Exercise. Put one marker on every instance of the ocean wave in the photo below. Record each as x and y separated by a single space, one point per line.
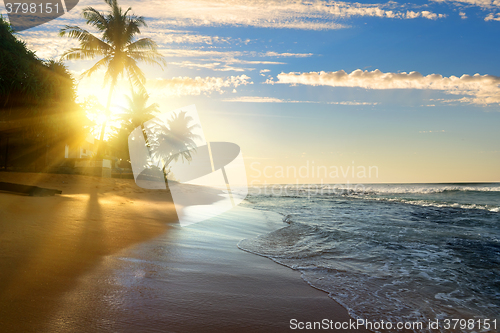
430 203
440 199
383 259
430 189
353 189
392 292
375 297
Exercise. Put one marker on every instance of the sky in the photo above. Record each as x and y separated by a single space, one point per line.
407 90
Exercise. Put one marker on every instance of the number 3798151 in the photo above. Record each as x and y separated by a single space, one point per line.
31 7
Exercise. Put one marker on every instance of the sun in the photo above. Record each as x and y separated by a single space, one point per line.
100 119
93 86
98 114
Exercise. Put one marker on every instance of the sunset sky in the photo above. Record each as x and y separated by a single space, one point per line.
411 88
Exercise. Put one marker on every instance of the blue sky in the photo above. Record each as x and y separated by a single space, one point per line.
411 88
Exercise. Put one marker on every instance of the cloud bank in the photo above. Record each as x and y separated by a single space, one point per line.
261 99
478 89
223 60
486 5
287 14
182 86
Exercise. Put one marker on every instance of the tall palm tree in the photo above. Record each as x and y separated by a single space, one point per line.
117 45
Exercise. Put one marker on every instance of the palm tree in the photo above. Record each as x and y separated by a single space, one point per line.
118 47
135 115
175 141
138 112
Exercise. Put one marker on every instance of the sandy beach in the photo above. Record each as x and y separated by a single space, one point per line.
107 256
46 243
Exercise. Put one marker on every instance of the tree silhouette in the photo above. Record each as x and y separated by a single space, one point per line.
38 112
118 47
137 111
136 114
174 141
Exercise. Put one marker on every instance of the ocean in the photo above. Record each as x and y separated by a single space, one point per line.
392 252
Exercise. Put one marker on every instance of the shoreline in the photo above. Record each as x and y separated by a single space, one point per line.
195 278
166 279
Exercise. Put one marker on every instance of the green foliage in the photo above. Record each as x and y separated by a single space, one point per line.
37 97
21 80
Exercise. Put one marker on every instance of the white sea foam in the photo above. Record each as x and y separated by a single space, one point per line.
429 203
412 256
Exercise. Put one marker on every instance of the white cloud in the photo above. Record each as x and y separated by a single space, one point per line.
260 99
168 36
478 3
262 71
229 56
47 44
167 22
424 132
290 14
215 66
411 14
425 14
255 99
352 103
191 65
492 17
181 86
483 4
216 60
169 52
478 89
432 16
296 55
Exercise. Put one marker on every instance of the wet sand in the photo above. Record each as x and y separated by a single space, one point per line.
47 243
108 259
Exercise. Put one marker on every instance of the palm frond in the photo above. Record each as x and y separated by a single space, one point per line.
152 109
110 2
78 54
126 12
115 68
87 40
143 44
135 74
98 65
149 57
95 18
133 28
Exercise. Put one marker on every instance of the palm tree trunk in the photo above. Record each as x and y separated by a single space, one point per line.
165 174
166 164
100 148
